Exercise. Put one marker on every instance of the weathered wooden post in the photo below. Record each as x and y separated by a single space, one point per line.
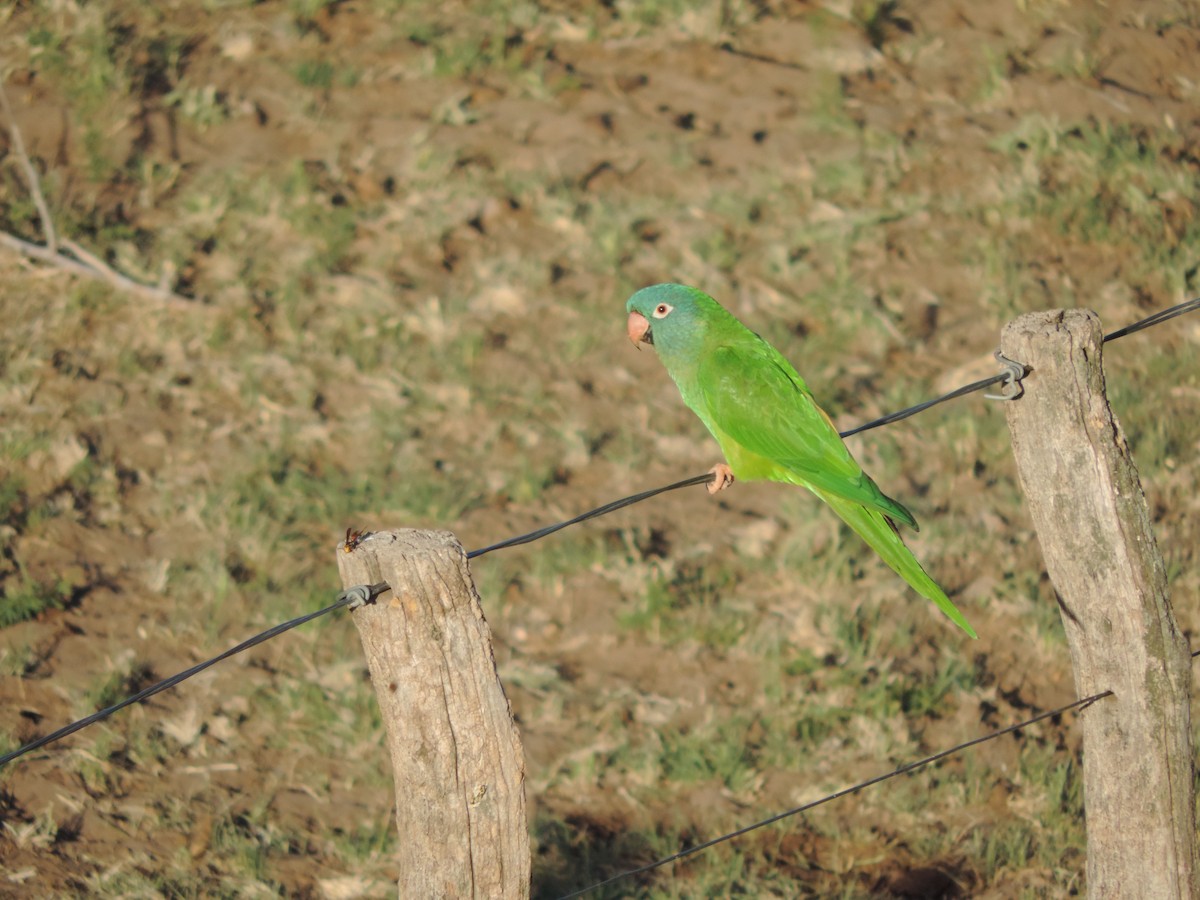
456 753
1094 529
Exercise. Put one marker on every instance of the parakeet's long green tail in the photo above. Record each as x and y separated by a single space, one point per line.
873 528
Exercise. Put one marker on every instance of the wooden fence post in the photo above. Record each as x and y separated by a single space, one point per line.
456 753
1087 504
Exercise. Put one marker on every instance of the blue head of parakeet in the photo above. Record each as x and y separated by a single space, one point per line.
672 317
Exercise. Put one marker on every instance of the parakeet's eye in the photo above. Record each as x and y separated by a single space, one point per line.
660 311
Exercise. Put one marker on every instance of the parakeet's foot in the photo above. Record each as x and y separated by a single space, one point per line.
723 478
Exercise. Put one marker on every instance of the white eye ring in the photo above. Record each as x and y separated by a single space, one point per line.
662 310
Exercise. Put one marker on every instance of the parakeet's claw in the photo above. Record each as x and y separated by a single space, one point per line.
722 478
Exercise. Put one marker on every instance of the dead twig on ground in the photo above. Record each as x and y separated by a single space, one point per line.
76 259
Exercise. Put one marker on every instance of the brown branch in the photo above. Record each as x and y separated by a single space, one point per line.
31 175
81 261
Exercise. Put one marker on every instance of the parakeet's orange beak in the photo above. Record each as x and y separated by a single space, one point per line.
639 329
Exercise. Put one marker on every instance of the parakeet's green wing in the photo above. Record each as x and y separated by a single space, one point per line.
753 395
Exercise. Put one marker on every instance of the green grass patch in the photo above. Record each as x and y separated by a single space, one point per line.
1108 184
31 598
696 603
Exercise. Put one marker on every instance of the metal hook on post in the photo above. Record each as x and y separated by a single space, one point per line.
1011 387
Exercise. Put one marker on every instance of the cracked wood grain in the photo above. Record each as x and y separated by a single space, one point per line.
1086 501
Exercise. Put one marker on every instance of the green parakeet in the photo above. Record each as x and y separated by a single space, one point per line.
765 419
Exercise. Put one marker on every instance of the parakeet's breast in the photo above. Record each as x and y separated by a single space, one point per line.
749 466
746 465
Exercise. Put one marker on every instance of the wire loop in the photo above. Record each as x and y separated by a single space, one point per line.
1011 387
